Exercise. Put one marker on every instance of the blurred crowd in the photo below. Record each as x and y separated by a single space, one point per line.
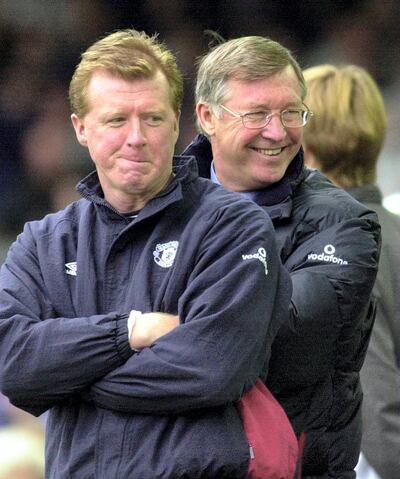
40 44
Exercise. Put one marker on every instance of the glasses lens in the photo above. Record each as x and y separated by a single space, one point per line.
294 118
256 119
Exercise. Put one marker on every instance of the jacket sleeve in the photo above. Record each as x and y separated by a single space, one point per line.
44 358
333 271
236 297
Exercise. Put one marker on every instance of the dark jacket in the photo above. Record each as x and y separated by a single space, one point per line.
169 411
380 374
329 243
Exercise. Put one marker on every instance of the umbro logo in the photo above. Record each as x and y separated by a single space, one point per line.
328 256
71 268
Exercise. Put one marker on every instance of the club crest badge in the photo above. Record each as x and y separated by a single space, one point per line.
164 254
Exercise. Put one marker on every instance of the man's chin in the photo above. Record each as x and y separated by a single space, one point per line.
269 177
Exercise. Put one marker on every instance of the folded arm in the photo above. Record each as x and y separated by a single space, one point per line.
234 302
45 358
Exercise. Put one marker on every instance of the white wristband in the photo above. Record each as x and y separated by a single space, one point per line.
133 315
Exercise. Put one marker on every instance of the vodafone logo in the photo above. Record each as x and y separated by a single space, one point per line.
261 255
329 249
328 256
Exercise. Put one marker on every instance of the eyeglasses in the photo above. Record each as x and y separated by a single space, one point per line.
290 118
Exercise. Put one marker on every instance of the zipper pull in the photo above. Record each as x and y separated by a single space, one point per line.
252 456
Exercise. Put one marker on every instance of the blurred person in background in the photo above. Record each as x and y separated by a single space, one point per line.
250 95
343 140
21 452
88 294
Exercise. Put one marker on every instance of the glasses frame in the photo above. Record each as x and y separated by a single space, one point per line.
268 117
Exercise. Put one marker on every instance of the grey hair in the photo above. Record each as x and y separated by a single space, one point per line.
244 58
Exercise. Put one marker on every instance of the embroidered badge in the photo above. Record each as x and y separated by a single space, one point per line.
164 254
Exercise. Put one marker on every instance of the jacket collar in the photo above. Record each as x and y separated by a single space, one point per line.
184 169
277 198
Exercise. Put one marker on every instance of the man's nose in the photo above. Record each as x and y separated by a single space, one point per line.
136 135
274 129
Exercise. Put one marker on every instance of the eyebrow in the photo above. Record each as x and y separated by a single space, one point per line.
263 106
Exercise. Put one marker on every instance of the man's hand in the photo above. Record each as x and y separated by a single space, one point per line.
151 326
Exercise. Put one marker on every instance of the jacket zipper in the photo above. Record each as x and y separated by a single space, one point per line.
251 450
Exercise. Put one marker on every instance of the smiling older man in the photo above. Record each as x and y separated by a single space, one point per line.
250 108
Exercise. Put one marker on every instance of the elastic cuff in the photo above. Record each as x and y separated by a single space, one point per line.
121 336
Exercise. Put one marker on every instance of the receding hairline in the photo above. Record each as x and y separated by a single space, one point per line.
243 77
106 73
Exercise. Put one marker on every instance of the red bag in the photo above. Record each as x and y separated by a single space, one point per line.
274 448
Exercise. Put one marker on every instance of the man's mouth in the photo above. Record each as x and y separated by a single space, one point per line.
268 151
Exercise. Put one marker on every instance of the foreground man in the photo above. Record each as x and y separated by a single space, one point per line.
82 291
250 108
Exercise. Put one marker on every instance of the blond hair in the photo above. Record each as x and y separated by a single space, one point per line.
130 55
348 129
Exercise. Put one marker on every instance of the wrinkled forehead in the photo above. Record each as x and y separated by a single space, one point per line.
283 86
105 85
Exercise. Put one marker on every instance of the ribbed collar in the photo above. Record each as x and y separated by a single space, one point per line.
184 169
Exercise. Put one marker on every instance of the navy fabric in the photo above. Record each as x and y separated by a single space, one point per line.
329 243
66 289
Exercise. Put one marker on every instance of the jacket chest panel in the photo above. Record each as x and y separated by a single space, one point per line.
129 270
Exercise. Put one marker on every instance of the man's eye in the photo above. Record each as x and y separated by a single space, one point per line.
256 115
117 120
292 113
154 120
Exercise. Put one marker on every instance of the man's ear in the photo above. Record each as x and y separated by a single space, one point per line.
80 130
206 118
177 120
